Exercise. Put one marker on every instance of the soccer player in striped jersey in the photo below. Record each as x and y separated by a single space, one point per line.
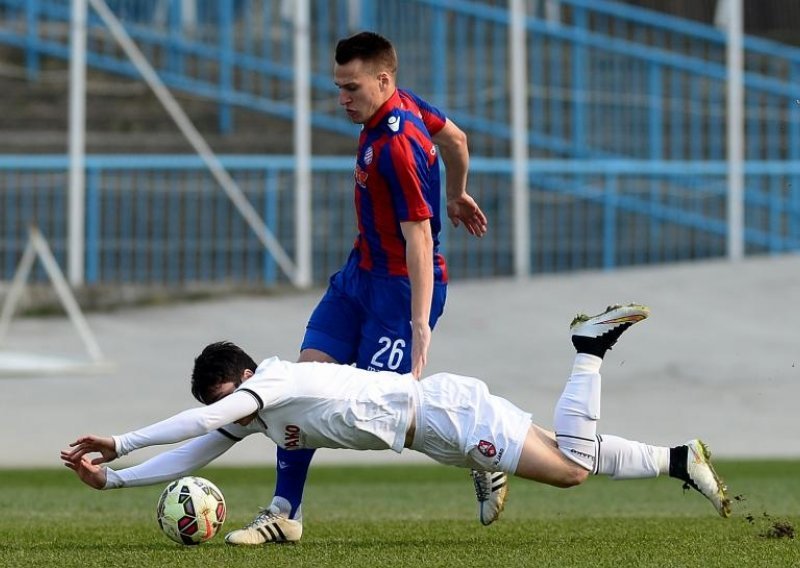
380 308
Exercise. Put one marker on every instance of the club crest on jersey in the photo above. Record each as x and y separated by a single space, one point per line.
368 155
361 176
394 123
487 448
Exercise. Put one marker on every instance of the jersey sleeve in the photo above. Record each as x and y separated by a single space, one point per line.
432 117
271 384
172 464
403 166
189 423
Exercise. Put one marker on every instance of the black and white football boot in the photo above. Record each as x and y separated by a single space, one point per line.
597 334
491 489
691 463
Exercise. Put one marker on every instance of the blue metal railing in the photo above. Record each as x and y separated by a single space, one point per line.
162 219
607 79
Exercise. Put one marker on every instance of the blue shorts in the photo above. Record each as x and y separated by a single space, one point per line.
366 319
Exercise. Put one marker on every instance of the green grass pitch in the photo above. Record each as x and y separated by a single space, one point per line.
414 516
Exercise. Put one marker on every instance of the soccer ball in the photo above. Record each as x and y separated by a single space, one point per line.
191 510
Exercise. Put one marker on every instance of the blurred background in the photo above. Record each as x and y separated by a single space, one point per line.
625 132
174 149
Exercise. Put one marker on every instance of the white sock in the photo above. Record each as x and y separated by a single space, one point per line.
626 459
283 507
578 410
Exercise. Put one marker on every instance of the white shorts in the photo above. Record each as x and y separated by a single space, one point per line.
460 423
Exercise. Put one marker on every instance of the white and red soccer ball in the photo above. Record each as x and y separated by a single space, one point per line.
191 510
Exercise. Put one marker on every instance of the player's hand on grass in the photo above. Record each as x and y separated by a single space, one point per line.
420 341
103 445
91 474
463 209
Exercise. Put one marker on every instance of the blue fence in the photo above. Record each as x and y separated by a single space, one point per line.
606 79
627 133
163 219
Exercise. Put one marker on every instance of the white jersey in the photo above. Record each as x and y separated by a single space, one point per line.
323 405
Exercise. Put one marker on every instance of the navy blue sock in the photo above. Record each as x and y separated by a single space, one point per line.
292 469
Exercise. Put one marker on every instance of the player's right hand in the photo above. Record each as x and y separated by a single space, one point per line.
420 341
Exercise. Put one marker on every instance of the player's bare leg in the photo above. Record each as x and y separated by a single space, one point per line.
541 460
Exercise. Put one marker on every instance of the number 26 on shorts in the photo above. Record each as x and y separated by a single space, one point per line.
389 355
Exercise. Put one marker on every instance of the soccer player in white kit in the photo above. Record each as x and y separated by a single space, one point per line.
451 418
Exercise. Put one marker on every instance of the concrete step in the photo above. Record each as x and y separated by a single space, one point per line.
124 116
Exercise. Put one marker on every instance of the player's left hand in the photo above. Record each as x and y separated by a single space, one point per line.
420 341
92 475
464 209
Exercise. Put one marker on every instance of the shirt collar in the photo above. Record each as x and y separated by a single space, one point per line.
392 102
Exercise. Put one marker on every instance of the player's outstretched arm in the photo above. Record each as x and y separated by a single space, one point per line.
92 475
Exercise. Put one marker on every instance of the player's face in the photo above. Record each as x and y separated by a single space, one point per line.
362 89
220 391
224 389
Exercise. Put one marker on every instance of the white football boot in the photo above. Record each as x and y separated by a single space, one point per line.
491 489
269 526
700 475
597 334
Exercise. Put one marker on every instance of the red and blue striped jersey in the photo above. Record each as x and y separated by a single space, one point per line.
397 180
